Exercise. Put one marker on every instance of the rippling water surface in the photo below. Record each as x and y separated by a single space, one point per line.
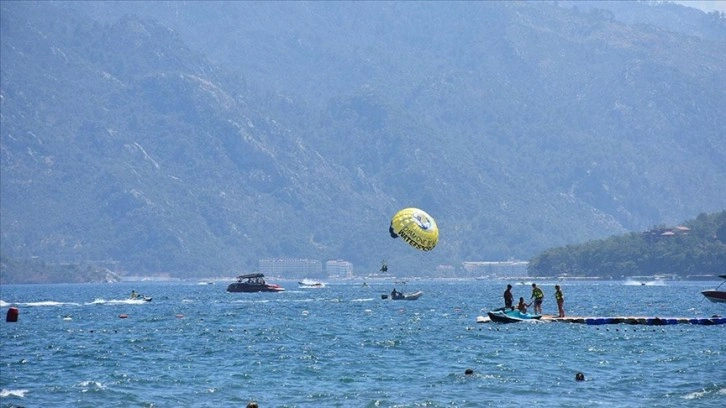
343 346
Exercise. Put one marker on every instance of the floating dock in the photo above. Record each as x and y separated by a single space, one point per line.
648 321
633 320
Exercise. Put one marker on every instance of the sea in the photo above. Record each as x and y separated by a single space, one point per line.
343 345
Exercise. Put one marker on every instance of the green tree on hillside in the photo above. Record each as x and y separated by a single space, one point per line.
698 247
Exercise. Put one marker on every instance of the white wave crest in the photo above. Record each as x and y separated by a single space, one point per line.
704 393
90 385
44 303
13 393
101 301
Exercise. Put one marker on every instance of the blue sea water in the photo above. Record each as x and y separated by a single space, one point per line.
343 346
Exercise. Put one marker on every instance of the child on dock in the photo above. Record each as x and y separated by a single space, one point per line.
521 306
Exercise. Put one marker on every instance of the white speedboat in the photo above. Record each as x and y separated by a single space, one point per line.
306 283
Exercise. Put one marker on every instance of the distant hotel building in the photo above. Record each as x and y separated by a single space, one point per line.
656 234
293 268
496 269
339 268
300 268
445 271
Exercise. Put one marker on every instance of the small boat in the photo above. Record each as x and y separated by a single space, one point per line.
139 296
410 296
511 316
715 295
311 284
253 282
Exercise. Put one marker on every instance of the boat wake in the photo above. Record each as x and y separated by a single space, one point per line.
101 301
44 303
52 303
656 282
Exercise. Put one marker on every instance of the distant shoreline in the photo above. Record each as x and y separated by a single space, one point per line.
516 280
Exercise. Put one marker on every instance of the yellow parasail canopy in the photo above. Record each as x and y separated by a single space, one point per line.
415 227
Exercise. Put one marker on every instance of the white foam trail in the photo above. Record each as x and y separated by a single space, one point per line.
101 301
41 304
13 393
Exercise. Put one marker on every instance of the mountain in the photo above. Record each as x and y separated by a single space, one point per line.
196 138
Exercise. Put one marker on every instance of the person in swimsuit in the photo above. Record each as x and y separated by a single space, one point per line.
508 297
560 301
521 306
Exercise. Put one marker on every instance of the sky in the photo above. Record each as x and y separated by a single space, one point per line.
705 5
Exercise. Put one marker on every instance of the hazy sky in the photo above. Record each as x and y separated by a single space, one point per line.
705 5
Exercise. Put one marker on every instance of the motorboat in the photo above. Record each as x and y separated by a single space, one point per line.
253 282
511 316
404 296
305 283
138 296
716 295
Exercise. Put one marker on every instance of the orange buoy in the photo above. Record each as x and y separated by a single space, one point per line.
12 315
123 316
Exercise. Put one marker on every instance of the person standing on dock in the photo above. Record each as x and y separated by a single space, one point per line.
560 301
508 298
538 297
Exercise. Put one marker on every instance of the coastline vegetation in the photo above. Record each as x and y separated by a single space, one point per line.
22 271
695 248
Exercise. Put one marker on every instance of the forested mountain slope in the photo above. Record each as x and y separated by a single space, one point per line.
196 138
